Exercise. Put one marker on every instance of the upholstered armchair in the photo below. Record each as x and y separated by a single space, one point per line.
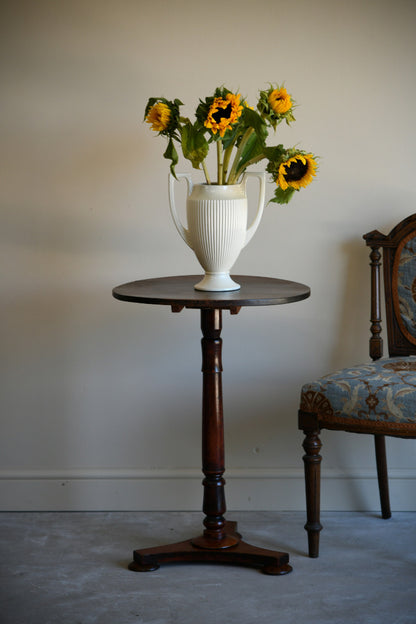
378 397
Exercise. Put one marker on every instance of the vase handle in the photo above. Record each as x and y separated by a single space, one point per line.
181 229
262 179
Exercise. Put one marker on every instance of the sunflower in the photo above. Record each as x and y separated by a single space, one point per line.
297 171
159 116
163 115
223 113
276 105
280 101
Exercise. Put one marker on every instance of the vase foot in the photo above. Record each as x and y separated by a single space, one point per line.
217 282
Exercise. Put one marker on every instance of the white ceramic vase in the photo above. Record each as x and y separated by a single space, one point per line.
217 226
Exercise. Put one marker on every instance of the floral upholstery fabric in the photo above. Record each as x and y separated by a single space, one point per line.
406 286
384 391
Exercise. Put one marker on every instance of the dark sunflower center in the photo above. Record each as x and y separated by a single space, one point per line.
296 171
222 113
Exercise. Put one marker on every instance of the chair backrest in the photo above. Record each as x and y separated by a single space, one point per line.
399 271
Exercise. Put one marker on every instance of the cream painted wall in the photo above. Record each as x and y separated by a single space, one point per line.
100 400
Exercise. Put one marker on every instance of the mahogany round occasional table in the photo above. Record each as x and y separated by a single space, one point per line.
220 542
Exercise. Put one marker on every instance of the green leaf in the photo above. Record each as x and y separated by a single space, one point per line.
194 144
253 149
276 154
171 154
282 197
230 136
251 119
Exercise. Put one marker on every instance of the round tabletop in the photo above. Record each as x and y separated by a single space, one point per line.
179 291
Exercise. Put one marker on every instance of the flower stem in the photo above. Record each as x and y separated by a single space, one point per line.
227 156
232 178
220 162
204 167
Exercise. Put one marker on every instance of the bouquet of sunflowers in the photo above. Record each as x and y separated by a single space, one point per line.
240 134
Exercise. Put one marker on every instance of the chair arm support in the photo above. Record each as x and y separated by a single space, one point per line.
374 240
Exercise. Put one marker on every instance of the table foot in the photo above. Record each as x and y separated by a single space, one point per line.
269 561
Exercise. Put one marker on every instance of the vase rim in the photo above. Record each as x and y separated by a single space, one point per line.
216 185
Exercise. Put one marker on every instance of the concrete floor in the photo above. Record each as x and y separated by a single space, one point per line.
71 568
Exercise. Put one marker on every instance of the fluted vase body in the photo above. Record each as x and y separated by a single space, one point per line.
217 228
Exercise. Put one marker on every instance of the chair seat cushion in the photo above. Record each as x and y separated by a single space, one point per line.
380 392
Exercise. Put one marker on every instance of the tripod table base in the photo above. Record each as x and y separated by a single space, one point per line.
270 562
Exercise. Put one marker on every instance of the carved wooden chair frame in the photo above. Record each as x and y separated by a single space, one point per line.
400 343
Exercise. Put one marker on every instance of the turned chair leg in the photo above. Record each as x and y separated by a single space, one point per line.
312 461
382 475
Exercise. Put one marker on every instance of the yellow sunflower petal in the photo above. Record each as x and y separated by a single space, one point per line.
280 101
159 117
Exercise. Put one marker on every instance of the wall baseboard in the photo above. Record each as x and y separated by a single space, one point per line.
181 490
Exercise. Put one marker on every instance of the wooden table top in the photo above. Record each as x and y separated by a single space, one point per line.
179 291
